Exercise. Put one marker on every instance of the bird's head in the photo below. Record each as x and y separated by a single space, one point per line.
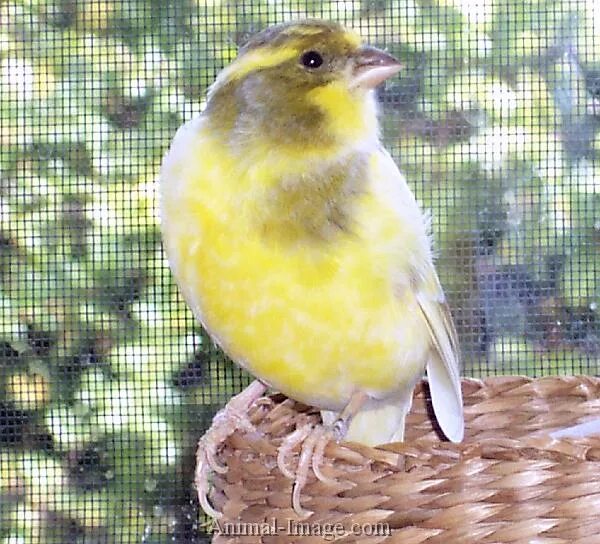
309 81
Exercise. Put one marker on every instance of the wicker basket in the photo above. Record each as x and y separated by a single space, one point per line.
508 482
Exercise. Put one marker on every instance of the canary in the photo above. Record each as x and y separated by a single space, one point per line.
300 248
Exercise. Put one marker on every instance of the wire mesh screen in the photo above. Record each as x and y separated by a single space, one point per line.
106 380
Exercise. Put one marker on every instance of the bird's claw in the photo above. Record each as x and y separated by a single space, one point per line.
313 440
319 454
209 447
205 462
232 417
287 447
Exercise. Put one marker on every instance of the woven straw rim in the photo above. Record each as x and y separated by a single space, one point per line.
508 481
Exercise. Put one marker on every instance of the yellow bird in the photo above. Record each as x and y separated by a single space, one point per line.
300 248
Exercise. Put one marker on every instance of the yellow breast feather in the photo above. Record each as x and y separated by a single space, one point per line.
314 317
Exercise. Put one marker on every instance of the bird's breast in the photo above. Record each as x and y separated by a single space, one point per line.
308 302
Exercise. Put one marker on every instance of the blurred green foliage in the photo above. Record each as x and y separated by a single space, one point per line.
106 382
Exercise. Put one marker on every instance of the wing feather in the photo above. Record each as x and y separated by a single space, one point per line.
443 367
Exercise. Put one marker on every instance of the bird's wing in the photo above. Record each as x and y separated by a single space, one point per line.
443 365
382 420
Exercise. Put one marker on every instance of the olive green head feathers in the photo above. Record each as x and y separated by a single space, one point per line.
299 75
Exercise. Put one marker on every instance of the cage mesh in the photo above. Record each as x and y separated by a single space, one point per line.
106 381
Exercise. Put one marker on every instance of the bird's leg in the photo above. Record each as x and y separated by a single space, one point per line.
337 431
227 420
314 439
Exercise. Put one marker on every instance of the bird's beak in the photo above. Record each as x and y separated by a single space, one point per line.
372 66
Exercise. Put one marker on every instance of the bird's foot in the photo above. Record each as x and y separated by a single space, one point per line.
232 417
312 440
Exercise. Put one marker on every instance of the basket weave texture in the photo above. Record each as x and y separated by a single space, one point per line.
507 482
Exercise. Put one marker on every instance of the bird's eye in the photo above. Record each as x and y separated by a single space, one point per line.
311 59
